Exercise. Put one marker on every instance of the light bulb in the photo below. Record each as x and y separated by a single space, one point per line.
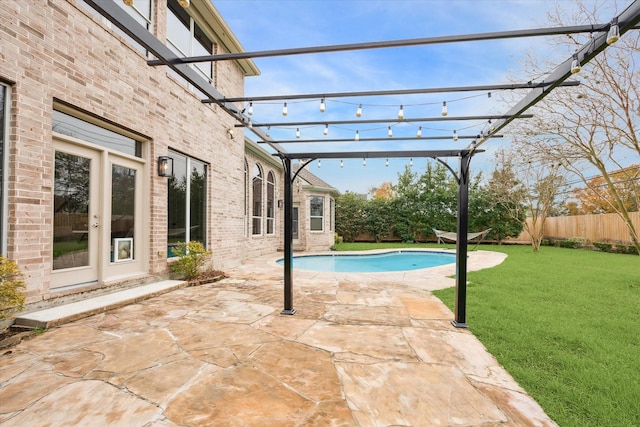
284 109
250 124
455 135
184 3
390 132
128 2
250 109
575 65
326 130
357 138
322 105
341 164
386 163
614 32
490 126
410 163
297 132
489 95
268 129
419 133
364 162
444 109
359 111
319 164
401 113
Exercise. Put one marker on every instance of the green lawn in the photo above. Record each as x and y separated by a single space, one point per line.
565 323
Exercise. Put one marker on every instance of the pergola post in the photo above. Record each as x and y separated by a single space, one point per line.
460 320
288 238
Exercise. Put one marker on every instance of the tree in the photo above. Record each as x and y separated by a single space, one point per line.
385 191
408 222
526 189
379 218
595 197
350 215
594 125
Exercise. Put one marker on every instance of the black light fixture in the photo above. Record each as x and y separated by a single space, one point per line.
165 166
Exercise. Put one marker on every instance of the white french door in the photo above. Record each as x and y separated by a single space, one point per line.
97 217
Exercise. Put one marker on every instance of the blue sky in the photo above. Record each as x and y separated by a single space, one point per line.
279 24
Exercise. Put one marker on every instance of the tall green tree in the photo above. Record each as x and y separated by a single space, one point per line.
350 215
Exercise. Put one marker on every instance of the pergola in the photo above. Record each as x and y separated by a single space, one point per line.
536 91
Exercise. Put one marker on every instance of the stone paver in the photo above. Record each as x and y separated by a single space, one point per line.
363 350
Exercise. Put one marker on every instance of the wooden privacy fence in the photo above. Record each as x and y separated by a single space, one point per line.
595 228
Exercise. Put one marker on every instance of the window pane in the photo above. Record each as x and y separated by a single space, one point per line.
177 201
316 206
257 200
71 211
316 224
198 202
123 205
76 128
178 34
271 190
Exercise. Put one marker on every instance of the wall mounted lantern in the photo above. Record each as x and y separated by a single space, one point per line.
165 166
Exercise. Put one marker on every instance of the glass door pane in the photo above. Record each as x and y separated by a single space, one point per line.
123 209
71 220
294 224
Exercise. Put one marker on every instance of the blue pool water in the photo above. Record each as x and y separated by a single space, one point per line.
372 263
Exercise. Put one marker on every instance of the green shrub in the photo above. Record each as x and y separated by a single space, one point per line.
629 249
191 258
603 246
12 288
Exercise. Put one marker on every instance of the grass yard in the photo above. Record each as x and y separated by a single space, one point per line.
565 323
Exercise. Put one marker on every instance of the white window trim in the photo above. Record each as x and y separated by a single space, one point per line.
5 168
312 216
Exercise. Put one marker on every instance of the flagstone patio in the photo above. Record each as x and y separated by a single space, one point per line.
362 350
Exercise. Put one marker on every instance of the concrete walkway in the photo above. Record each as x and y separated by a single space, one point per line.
363 350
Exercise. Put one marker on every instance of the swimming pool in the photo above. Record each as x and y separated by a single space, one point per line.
372 263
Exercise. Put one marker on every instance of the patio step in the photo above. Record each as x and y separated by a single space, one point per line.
65 313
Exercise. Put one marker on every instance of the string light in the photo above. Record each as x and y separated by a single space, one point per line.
489 95
250 124
268 129
322 105
614 32
401 113
455 135
128 2
357 138
184 3
359 111
386 163
575 64
490 126
284 109
444 108
364 162
250 109
419 133
326 130
341 164
411 163
390 132
319 164
297 132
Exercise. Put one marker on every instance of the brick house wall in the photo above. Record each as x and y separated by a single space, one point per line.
58 55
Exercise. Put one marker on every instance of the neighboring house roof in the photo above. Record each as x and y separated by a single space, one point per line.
313 180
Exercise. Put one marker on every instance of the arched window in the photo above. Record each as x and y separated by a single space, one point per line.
257 200
271 195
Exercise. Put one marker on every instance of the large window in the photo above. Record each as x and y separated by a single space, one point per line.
4 98
186 38
271 195
256 227
316 213
187 201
